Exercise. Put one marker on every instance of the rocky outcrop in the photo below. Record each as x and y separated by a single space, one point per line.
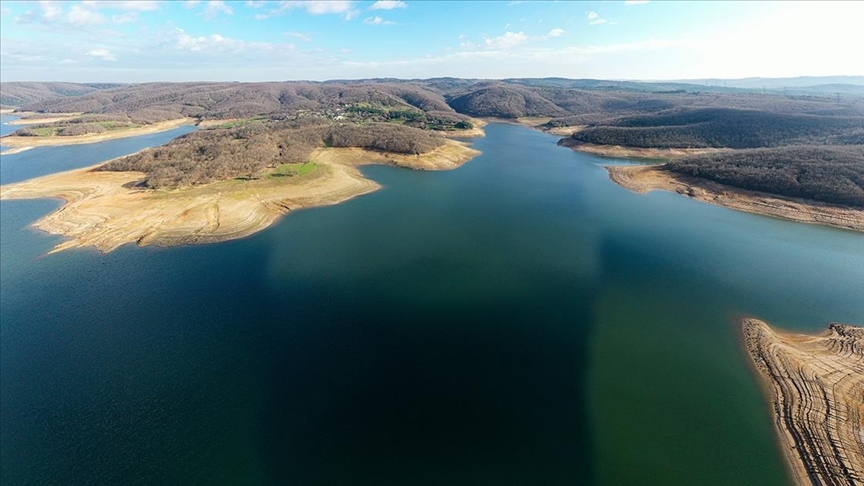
816 388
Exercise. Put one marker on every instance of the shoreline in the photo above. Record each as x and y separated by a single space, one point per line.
14 150
623 152
106 210
813 385
35 117
15 141
643 179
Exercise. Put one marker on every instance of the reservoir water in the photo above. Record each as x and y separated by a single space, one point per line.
518 321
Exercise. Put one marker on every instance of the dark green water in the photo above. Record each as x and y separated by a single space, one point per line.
520 320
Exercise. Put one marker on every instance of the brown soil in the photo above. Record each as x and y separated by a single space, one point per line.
815 385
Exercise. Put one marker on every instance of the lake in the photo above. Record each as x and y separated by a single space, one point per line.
520 320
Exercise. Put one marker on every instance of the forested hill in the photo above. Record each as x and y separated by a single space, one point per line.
20 94
827 174
725 128
566 102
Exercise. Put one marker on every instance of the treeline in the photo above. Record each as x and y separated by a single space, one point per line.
247 151
723 128
830 174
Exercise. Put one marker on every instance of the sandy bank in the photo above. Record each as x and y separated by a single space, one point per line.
621 152
815 385
16 141
14 150
106 209
32 118
643 179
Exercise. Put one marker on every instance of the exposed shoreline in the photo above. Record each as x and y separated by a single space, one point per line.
622 152
19 142
105 209
642 179
32 118
814 385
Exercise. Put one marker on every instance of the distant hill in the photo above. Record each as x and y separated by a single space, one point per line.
780 83
507 101
24 93
237 100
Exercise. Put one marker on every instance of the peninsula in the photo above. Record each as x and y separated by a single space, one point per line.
815 385
226 183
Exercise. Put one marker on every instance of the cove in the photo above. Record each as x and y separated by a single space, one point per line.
519 320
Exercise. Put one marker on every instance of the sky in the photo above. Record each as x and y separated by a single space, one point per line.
142 41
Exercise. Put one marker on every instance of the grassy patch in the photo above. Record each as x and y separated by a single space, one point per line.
293 170
242 122
45 131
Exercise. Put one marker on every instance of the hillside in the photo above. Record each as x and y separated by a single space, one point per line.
724 128
24 93
246 151
827 174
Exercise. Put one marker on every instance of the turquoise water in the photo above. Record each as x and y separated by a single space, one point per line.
520 320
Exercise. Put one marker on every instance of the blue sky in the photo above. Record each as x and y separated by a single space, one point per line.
138 41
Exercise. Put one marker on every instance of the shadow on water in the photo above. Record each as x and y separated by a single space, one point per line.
444 344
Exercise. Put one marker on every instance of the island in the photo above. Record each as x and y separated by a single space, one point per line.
815 386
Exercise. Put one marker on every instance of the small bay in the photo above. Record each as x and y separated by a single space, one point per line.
519 320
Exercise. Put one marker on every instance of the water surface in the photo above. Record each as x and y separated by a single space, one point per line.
520 320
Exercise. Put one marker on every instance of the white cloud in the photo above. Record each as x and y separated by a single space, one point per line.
255 3
634 2
83 17
299 35
506 40
125 18
216 7
136 5
191 3
319 7
388 5
314 7
376 21
179 40
595 19
85 13
554 33
48 12
101 54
